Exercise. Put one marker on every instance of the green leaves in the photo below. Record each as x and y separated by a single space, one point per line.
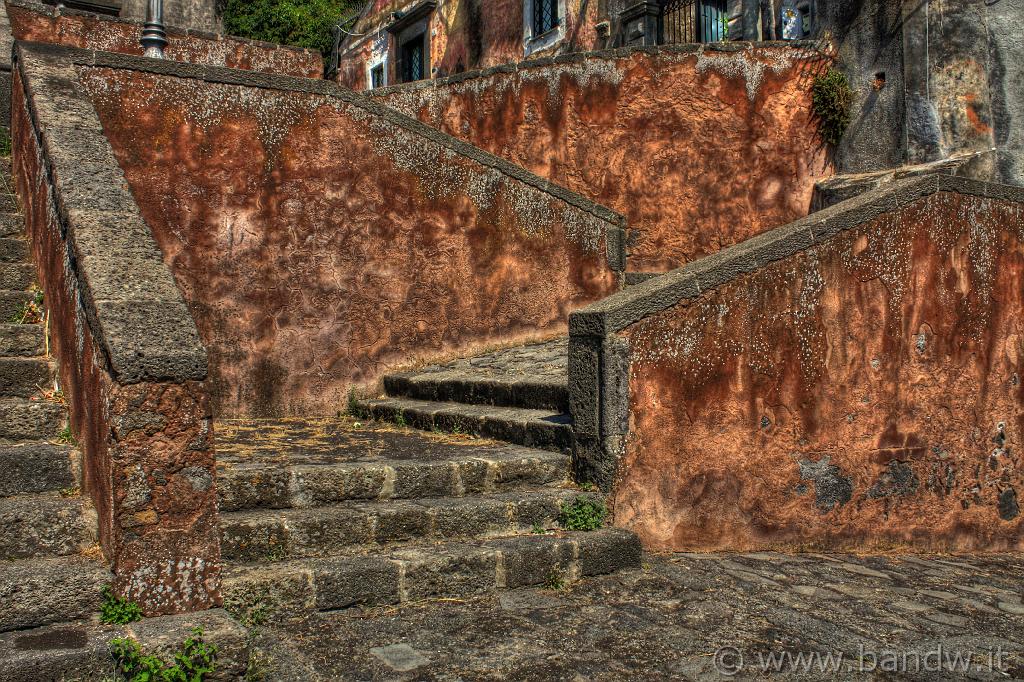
116 610
832 101
192 663
583 513
303 23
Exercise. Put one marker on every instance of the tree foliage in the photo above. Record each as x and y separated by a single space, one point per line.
302 23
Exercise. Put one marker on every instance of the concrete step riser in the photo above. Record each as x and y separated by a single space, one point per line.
24 378
455 571
39 592
13 250
314 486
42 526
36 468
22 340
537 396
24 420
306 533
546 436
17 276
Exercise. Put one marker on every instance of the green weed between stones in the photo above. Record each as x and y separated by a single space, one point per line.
30 312
832 100
66 437
118 610
5 142
192 663
554 581
583 513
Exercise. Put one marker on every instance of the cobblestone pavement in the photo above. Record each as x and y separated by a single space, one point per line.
541 362
894 617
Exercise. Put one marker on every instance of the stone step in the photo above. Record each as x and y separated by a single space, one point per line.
254 536
533 428
466 387
38 592
13 250
8 202
11 224
81 651
414 573
24 377
27 420
17 276
22 340
462 470
36 468
45 525
12 304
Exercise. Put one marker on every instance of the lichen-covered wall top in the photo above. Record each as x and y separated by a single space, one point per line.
319 243
37 23
864 393
700 147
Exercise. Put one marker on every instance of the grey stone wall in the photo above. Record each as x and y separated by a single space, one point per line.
198 14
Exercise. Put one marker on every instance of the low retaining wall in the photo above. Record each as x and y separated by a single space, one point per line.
131 362
34 22
851 380
321 239
700 147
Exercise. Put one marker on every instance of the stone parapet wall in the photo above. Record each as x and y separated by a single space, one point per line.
700 147
849 381
31 21
321 238
131 360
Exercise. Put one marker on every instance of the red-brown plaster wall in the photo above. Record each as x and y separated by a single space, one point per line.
864 394
699 150
319 244
115 35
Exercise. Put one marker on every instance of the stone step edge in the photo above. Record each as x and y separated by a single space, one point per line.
303 486
81 650
254 536
532 428
455 569
491 391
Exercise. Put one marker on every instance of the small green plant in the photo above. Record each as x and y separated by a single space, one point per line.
259 664
5 142
583 513
66 437
353 403
191 663
118 610
30 312
555 580
71 491
538 529
400 420
832 100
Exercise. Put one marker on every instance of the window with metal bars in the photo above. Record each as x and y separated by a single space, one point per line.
545 16
377 76
693 21
413 65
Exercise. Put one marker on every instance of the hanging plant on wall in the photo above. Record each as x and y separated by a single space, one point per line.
832 101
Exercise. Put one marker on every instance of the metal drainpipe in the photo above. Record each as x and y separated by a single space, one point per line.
154 39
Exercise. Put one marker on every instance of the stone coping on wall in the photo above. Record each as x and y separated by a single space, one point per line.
134 309
54 12
633 304
616 223
581 57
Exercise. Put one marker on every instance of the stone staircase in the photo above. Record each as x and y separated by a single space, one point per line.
519 395
51 569
332 514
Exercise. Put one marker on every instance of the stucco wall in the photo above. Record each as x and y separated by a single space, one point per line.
197 14
700 147
320 240
33 22
863 393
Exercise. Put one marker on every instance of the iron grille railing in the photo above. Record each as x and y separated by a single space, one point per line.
693 21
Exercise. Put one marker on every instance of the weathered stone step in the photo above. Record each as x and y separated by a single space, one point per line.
22 340
11 224
81 651
36 468
23 377
45 525
37 592
532 428
467 470
17 276
12 304
13 250
453 569
8 202
464 387
254 536
22 420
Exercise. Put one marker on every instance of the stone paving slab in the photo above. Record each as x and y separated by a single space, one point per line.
546 362
668 621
